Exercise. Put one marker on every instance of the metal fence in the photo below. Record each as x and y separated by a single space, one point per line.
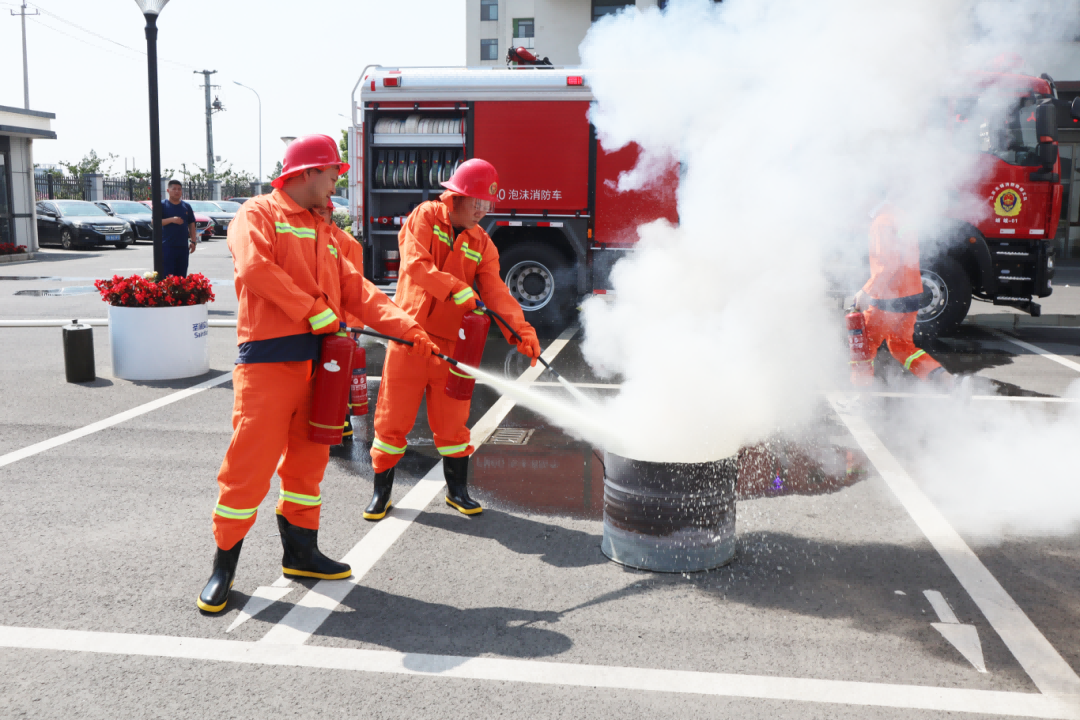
58 187
126 189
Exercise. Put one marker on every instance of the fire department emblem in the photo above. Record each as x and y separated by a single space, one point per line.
1007 203
493 188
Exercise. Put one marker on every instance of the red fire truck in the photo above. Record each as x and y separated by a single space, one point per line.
559 224
1004 254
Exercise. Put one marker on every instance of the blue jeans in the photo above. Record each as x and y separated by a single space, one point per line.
175 259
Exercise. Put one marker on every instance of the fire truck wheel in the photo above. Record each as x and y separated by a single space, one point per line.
946 298
540 279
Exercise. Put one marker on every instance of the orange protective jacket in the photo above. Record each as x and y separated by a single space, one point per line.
290 269
435 267
894 258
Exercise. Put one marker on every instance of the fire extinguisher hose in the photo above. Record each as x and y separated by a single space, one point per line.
403 341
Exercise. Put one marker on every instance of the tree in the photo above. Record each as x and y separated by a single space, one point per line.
91 163
277 171
343 145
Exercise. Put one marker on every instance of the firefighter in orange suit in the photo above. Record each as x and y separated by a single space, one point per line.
293 285
444 253
890 298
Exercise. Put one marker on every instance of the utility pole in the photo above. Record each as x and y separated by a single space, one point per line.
209 125
25 72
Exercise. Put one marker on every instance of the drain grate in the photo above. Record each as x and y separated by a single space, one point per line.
511 436
60 292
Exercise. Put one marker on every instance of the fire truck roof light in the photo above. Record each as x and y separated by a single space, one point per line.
574 80
391 82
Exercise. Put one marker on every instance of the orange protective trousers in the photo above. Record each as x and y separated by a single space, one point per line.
897 329
271 408
406 380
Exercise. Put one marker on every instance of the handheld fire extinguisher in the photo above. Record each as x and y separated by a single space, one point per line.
329 405
862 367
469 350
358 395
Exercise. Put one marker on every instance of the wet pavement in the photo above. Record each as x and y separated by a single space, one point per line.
824 611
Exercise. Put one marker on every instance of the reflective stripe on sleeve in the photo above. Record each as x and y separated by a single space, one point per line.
387 447
441 234
297 231
323 319
462 296
912 358
234 513
309 500
450 450
460 375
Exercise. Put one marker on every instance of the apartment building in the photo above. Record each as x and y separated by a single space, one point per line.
550 28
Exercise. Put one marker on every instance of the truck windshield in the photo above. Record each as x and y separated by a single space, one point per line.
999 125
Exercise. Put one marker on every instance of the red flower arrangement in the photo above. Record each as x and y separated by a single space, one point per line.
11 249
145 291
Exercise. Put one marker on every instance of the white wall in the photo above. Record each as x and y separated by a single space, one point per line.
22 191
560 27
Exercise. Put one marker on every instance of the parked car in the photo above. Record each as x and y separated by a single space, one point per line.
239 200
138 216
221 217
204 226
71 223
339 202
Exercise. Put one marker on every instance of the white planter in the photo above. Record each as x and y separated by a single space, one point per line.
160 343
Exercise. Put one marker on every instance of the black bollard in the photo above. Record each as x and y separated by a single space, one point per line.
79 353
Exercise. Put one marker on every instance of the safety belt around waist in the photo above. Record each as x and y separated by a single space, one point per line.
907 304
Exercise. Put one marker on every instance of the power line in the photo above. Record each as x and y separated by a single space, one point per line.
100 36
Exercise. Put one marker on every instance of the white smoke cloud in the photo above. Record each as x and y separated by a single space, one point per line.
789 118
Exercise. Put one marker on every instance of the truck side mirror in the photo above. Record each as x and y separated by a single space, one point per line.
1075 107
1046 120
1048 154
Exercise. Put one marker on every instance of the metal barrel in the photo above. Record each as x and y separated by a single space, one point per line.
669 517
79 352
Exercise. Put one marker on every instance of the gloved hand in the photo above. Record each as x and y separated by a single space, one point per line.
325 323
421 343
862 301
529 346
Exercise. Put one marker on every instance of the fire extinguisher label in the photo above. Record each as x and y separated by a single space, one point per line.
331 366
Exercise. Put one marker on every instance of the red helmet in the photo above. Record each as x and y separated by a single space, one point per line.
476 178
310 151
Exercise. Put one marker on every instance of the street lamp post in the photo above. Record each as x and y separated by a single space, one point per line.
150 10
260 130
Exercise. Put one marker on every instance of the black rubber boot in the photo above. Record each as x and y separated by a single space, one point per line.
302 557
215 595
456 471
347 433
380 501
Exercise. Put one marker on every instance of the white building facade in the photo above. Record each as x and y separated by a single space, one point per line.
549 28
18 129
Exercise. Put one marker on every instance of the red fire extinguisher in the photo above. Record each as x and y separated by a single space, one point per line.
358 397
469 349
862 367
328 407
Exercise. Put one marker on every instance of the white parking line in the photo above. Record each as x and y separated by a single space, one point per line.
110 421
1043 664
537 672
311 611
1038 350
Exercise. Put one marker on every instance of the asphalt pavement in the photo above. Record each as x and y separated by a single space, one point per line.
851 595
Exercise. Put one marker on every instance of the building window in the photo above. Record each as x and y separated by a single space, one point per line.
489 10
524 28
600 8
489 49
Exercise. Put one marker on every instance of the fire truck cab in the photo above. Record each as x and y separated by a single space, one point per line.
559 223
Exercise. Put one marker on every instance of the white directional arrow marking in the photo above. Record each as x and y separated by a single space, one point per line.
262 598
964 638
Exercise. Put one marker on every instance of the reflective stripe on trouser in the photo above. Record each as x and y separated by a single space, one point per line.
271 408
406 381
897 329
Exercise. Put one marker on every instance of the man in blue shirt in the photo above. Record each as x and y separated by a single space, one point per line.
178 237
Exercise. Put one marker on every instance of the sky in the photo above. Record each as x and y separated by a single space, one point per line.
88 66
